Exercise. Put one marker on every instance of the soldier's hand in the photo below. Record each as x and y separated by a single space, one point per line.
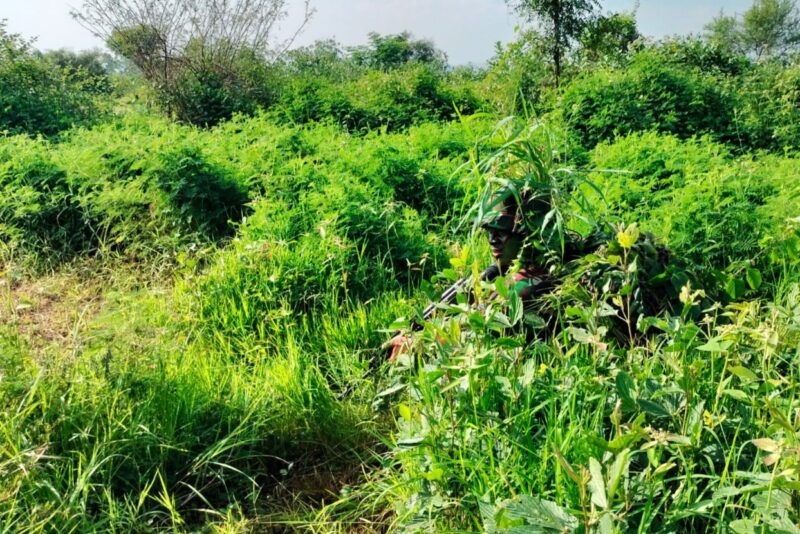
399 345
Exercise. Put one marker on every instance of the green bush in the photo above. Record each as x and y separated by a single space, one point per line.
147 188
140 187
346 241
207 96
769 109
711 209
696 54
204 195
38 97
385 233
649 95
93 68
40 211
643 170
395 99
714 220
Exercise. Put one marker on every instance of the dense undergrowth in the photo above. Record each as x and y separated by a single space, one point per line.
192 318
196 403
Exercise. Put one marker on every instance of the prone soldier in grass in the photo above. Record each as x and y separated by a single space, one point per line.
619 278
508 224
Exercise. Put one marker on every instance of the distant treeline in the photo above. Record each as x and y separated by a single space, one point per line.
612 82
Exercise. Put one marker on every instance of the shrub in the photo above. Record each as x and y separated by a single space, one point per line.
153 187
650 95
384 233
769 113
37 97
644 170
714 219
696 54
344 242
710 208
204 195
395 99
207 95
39 210
93 68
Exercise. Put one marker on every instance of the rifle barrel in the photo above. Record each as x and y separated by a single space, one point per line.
492 272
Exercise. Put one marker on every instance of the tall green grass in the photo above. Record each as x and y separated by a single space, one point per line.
239 371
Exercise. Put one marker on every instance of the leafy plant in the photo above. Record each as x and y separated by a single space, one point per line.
648 95
38 97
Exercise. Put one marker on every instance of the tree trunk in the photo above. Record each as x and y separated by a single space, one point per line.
557 40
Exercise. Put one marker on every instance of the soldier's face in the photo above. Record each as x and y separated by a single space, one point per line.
505 245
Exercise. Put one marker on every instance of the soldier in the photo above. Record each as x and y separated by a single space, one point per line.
510 231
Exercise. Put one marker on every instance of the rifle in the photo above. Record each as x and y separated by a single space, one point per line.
492 272
450 295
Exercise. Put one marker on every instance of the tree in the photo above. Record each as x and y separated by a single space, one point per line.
562 20
516 81
38 97
768 29
608 37
388 52
771 28
93 67
180 44
723 32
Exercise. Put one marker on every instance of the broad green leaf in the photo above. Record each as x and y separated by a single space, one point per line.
450 274
753 277
774 501
597 485
625 389
525 514
528 373
744 373
606 525
580 335
781 525
501 287
734 287
653 408
715 344
733 491
515 308
743 526
505 386
624 441
487 510
737 394
616 472
695 422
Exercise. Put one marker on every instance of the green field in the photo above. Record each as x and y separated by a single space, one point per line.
195 298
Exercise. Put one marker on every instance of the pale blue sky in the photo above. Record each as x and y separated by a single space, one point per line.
465 29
